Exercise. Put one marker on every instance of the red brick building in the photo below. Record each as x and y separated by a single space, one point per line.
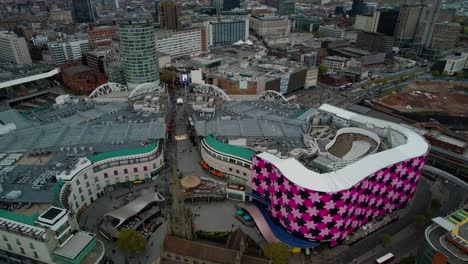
82 78
101 35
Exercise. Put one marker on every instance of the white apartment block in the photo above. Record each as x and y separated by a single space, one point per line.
68 51
335 64
332 31
52 237
311 77
179 43
269 25
14 48
456 64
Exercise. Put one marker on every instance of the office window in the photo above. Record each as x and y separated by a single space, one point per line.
90 193
80 190
106 175
78 181
35 254
9 246
145 168
116 173
237 171
86 176
22 250
31 245
125 171
96 179
18 242
87 184
127 178
82 198
135 169
98 186
5 238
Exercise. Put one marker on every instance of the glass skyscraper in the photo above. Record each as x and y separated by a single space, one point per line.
83 11
138 43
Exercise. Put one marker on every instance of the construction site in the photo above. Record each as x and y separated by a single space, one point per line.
428 99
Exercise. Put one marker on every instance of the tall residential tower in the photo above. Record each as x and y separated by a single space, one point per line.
138 44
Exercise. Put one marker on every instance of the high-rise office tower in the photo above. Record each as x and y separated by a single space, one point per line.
431 21
284 7
169 15
410 21
14 48
357 7
230 4
83 11
387 22
138 44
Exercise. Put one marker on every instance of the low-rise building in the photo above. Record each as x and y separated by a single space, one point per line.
82 78
363 56
269 25
335 64
101 36
445 239
332 31
61 17
456 64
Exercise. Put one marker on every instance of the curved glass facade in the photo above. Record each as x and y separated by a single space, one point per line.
138 43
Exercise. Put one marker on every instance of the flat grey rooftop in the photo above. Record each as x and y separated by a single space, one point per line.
72 248
52 139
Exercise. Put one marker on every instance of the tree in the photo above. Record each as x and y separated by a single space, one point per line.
444 74
420 219
131 241
435 73
459 75
386 239
278 252
322 69
465 75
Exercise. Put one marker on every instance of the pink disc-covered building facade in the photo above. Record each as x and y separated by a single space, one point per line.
329 206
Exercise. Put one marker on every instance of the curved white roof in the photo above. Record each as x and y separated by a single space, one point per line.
350 175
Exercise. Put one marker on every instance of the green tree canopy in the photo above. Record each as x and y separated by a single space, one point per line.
131 241
435 73
322 69
444 74
278 252
459 75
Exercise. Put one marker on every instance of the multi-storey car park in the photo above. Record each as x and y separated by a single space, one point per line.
313 175
56 162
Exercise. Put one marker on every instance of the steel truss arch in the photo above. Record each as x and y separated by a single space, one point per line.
212 90
271 95
147 88
108 88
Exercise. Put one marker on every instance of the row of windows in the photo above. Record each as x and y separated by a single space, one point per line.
22 250
227 159
127 162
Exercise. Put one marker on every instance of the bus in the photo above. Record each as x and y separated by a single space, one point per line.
385 258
